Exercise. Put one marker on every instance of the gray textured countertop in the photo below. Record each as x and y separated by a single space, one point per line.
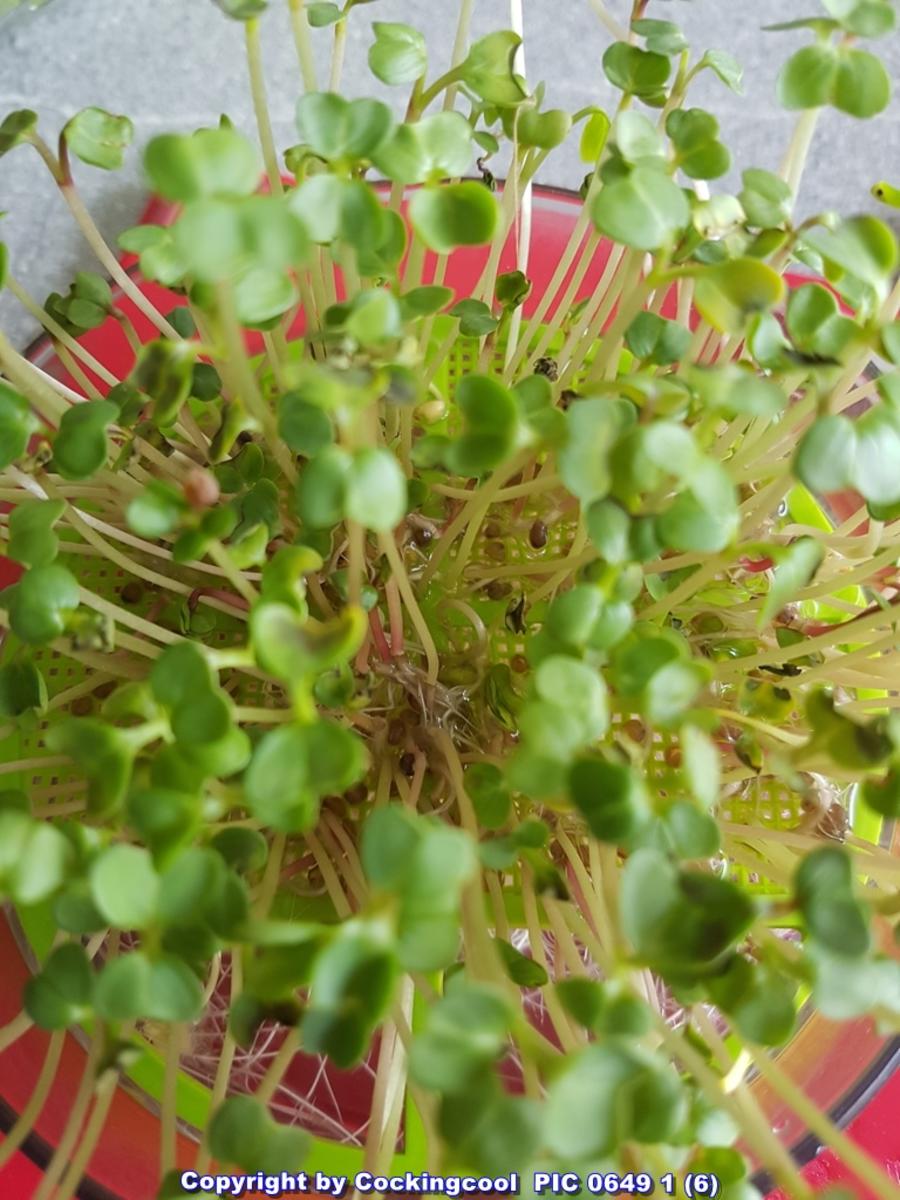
177 64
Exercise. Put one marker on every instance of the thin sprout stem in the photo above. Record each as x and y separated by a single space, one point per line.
278 1067
168 1129
472 514
223 1068
356 562
31 382
583 335
525 205
303 43
65 339
337 55
95 240
32 1110
247 384
221 556
103 1098
19 1025
330 877
794 163
460 48
80 376
77 1113
269 886
619 32
260 105
567 1038
432 659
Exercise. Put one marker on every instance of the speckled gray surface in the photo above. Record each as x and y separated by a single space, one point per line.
177 64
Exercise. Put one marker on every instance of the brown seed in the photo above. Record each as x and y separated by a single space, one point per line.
105 689
566 398
496 551
131 593
537 535
81 706
408 764
358 794
493 529
201 488
635 729
673 756
548 367
519 664
497 590
396 732
422 535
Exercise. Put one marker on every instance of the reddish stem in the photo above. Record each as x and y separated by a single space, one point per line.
381 642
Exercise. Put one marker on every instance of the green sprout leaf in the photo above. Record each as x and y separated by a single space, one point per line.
610 796
458 214
293 767
210 163
656 340
22 689
242 10
32 541
80 447
16 129
242 1132
826 456
823 887
376 490
862 87
99 138
876 453
644 209
59 996
594 136
134 986
342 130
102 752
490 414
694 135
610 1094
765 198
322 13
35 858
466 1031
292 647
815 324
352 983
680 921
808 78
489 69
437 147
398 54
726 67
17 424
125 886
729 294
40 604
475 318
642 73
